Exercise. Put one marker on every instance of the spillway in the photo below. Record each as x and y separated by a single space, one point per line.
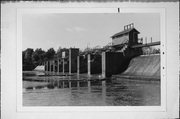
144 66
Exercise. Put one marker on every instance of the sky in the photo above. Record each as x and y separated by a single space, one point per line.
82 30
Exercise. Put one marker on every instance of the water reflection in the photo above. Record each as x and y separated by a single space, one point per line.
119 92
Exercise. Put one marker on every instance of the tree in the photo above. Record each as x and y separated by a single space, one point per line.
50 54
28 56
38 56
27 59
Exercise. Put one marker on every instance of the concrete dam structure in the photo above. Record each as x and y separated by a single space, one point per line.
144 66
122 58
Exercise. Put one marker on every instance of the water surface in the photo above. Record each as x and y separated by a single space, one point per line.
117 92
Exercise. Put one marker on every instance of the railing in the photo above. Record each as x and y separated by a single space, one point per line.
146 45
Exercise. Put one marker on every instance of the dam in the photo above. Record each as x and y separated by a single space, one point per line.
123 56
116 75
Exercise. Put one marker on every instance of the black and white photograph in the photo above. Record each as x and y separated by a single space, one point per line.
91 59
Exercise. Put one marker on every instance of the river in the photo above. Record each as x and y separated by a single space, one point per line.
116 92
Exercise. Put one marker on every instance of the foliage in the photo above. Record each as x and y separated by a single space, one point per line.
150 50
38 56
27 56
27 59
50 54
32 58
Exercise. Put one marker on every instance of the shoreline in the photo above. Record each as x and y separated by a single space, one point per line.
93 77
135 77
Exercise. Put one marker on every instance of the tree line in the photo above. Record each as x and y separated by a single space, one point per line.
32 58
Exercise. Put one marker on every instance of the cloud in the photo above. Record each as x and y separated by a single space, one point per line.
75 29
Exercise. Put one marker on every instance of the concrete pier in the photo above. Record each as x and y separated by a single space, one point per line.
70 55
78 65
73 53
89 64
63 66
103 64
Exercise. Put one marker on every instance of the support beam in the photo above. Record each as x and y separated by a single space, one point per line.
78 65
63 66
103 64
89 64
70 58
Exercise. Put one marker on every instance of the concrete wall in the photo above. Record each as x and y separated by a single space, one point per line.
73 53
96 64
60 66
83 64
148 66
66 65
114 63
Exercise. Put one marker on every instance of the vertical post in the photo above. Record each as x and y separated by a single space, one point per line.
70 61
89 64
63 66
78 65
103 64
146 40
